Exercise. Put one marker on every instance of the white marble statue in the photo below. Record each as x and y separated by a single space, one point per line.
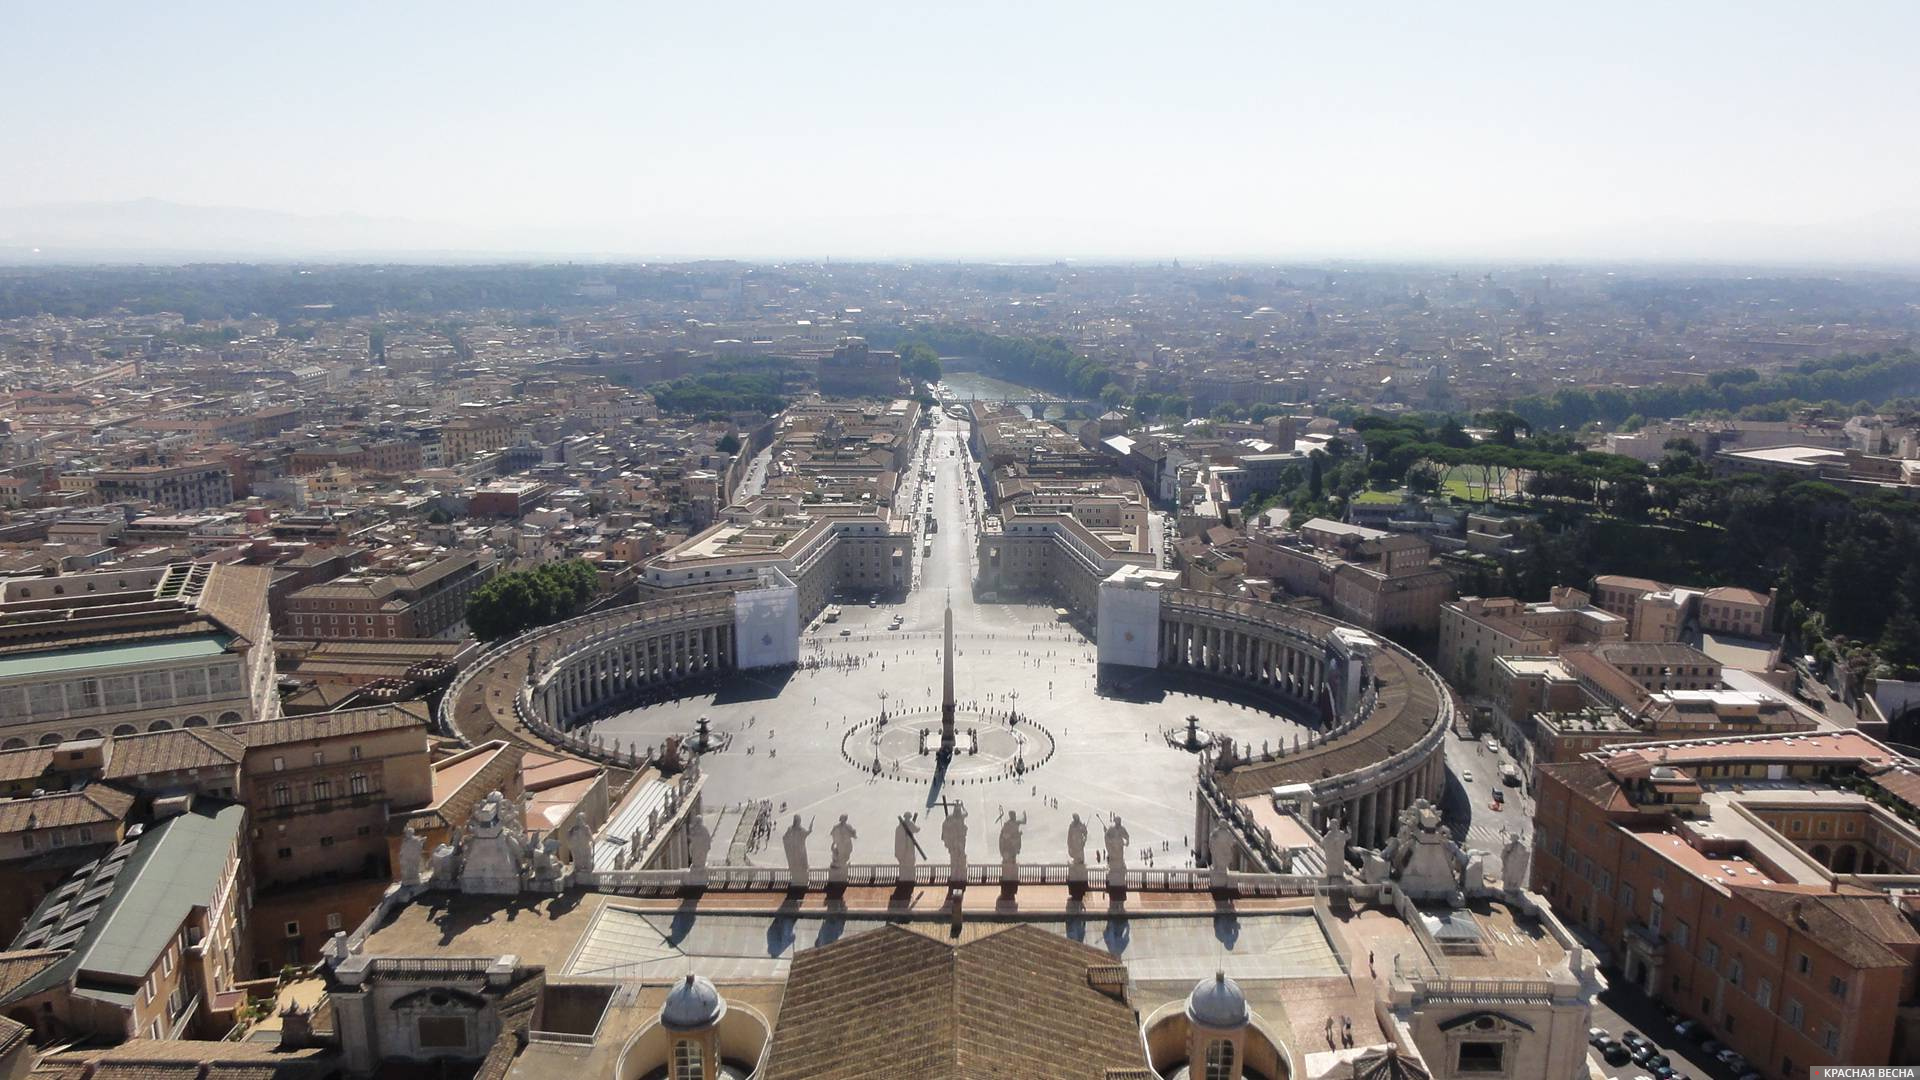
699 845
906 846
795 841
412 851
1220 845
1077 845
841 850
1333 848
1516 858
1117 839
580 843
953 833
1010 845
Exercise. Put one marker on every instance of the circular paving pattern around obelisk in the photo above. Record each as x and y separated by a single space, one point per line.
906 747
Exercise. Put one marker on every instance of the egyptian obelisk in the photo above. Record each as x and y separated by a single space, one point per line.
946 687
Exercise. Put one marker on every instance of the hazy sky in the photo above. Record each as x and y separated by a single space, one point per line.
1033 128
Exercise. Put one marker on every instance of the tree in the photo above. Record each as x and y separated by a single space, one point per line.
1453 435
523 599
1315 482
728 444
920 361
1112 396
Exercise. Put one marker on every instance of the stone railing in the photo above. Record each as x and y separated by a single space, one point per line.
777 879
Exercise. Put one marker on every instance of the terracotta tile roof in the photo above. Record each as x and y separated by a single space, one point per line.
152 752
97 804
1860 930
13 1035
236 598
306 728
898 1003
25 763
1590 781
19 965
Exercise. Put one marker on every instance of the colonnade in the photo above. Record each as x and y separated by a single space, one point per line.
1371 815
619 664
1298 669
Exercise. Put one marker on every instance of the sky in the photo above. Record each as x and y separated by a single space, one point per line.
1118 129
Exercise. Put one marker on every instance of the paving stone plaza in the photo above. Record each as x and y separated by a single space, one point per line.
807 741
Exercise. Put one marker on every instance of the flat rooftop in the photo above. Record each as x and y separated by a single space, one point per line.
129 654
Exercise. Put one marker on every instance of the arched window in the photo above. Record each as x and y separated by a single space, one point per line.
125 729
282 795
86 733
229 717
13 744
1219 1060
357 784
51 738
159 725
194 721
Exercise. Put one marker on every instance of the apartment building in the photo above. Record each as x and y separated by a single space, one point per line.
1476 631
145 942
1656 611
1378 580
180 488
1749 884
424 597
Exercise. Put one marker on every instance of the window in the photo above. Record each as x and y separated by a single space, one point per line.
279 764
1741 925
1482 1057
322 789
285 853
319 757
353 753
293 929
1795 1015
1803 964
333 920
1831 1039
1837 986
357 784
687 1064
1763 993
1219 1060
1773 943
326 841
1712 955
1734 971
282 795
1680 933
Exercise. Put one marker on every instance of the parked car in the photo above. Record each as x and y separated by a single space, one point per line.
1712 1048
1615 1052
1633 1038
1598 1036
1467 777
1687 1029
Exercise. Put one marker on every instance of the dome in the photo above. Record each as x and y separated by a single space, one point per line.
693 1004
1217 1003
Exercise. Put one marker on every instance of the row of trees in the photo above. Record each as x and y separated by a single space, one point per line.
727 387
520 600
1869 377
1047 363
